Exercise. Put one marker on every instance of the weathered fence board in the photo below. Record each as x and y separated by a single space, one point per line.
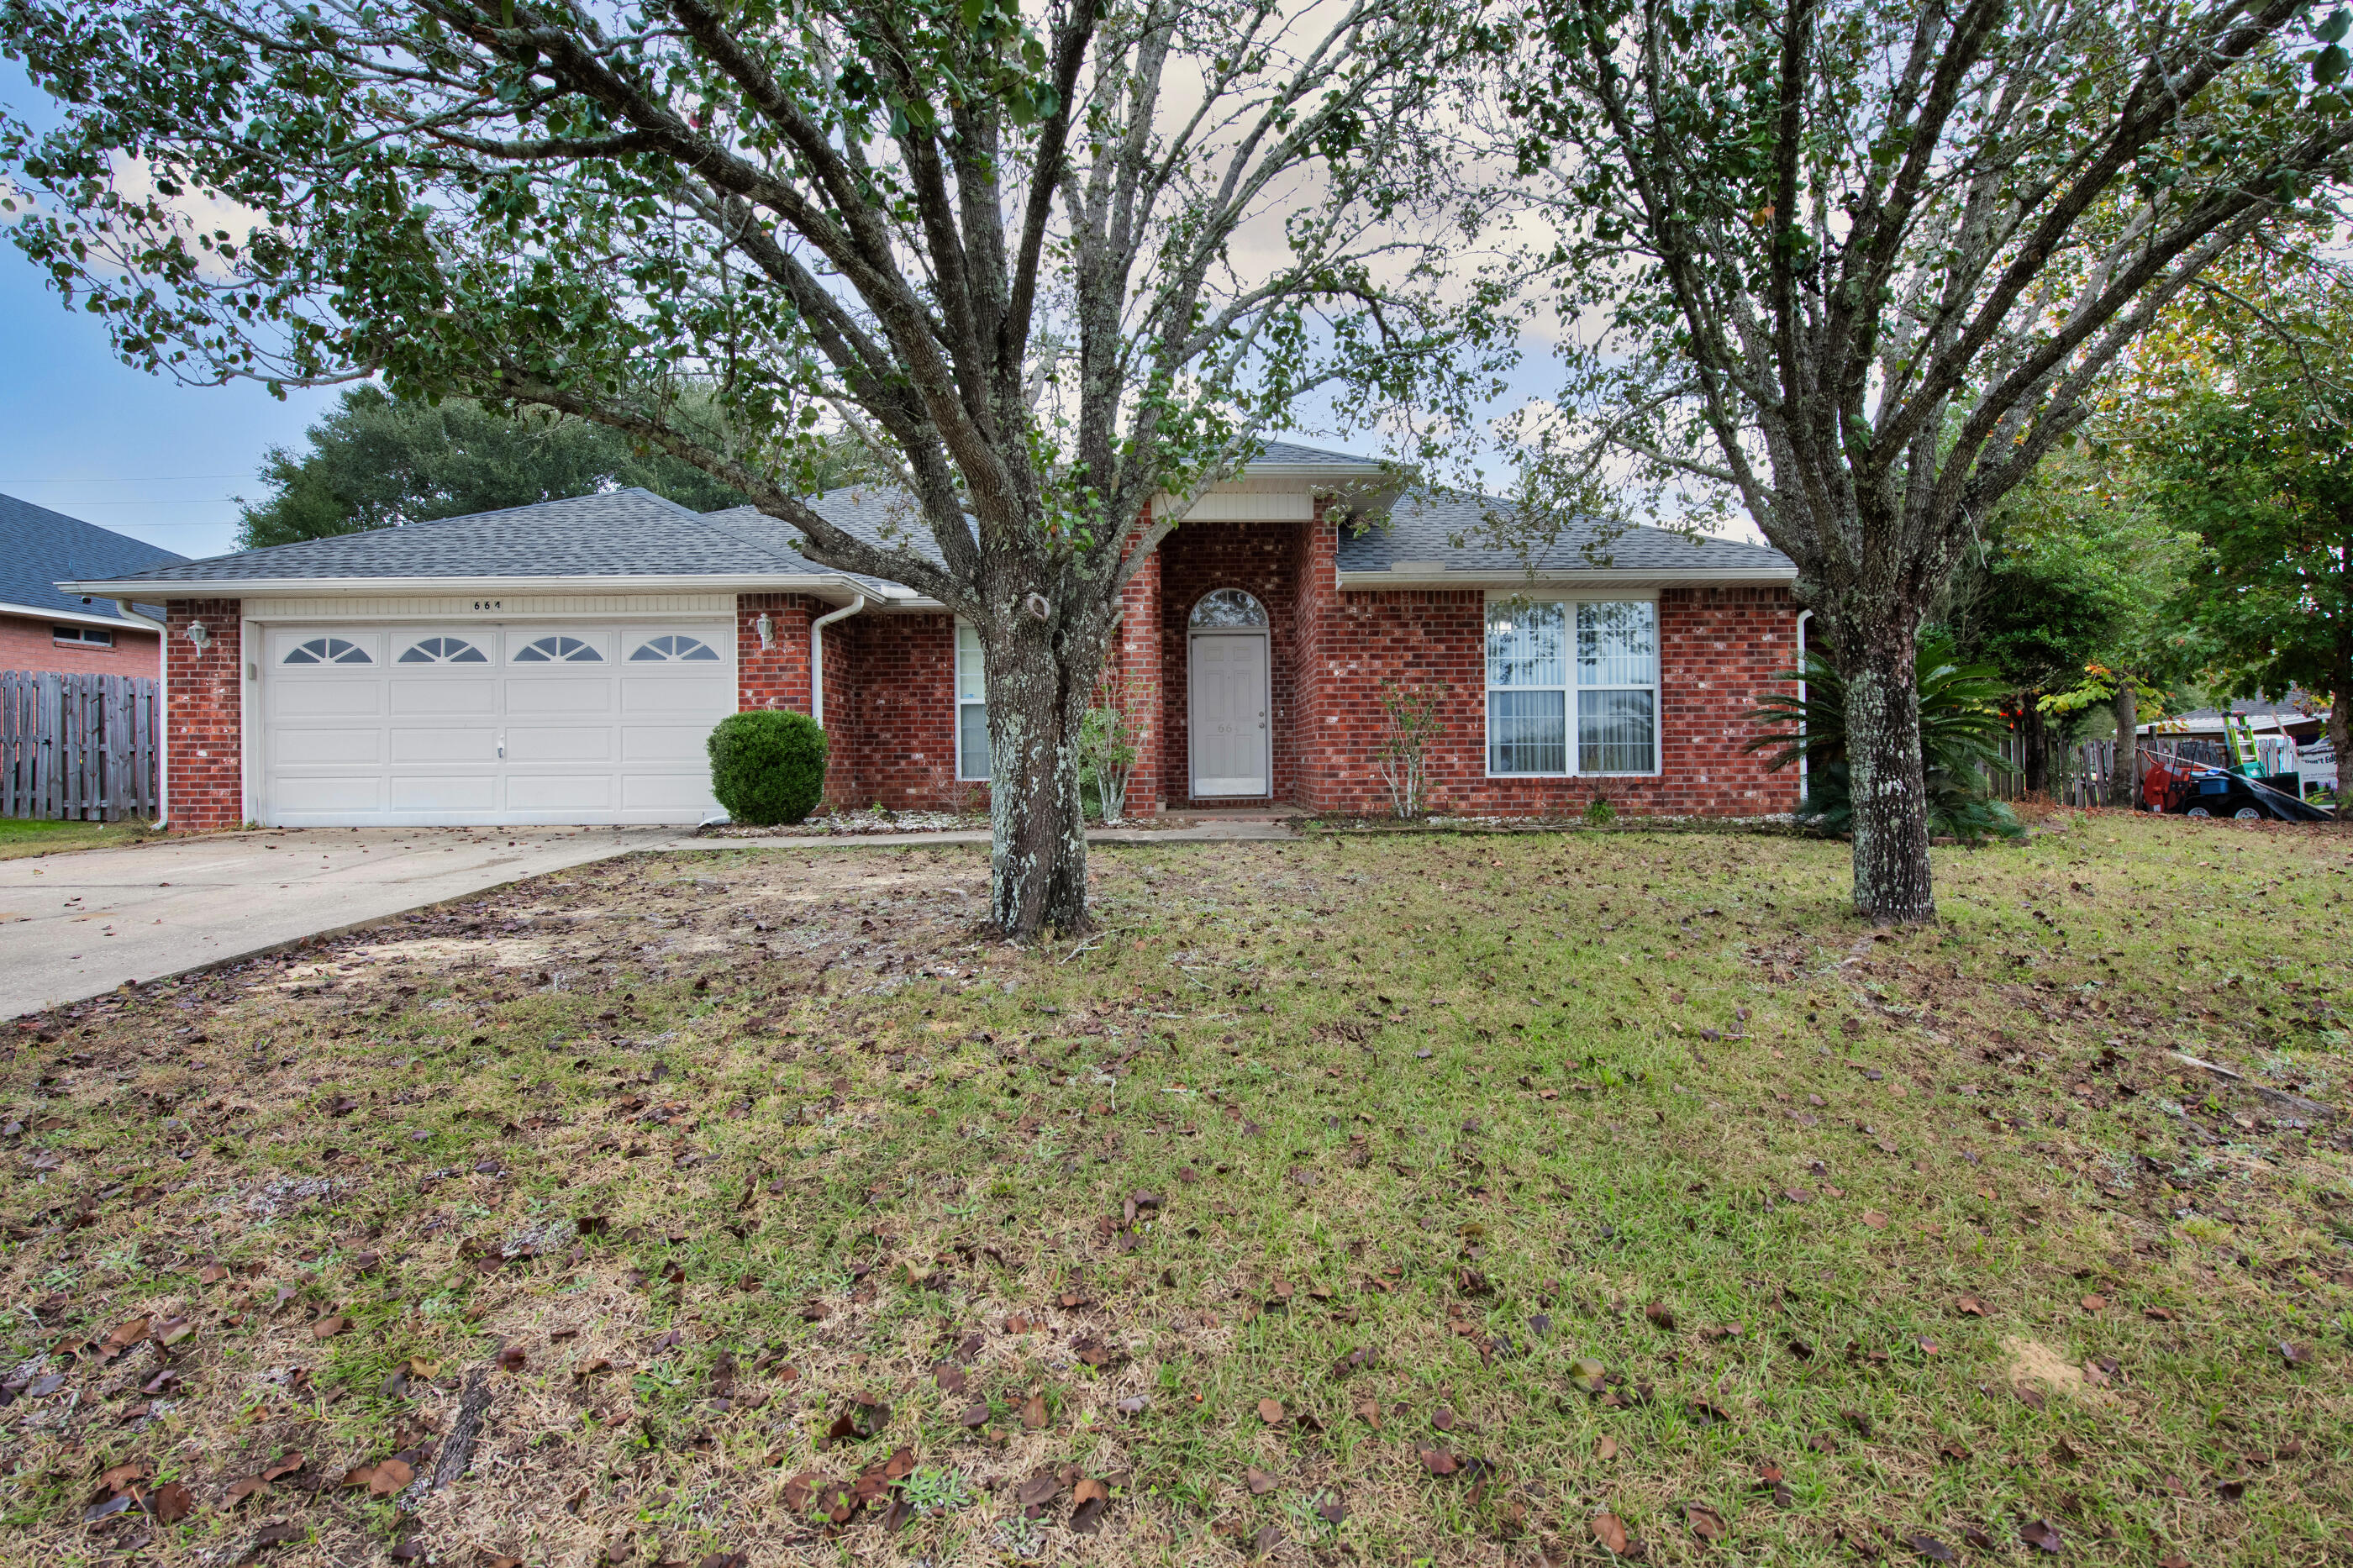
76 747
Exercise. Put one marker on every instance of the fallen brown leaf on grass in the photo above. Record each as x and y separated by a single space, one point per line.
1607 1449
1270 1411
2095 1302
1661 1315
327 1327
1440 1461
1934 1550
1875 1219
2038 1533
1260 1482
1705 1522
1033 1412
1613 1535
1089 1499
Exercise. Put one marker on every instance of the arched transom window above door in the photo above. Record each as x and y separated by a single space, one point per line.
1229 609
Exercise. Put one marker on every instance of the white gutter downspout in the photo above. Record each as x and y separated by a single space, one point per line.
1803 616
162 708
817 654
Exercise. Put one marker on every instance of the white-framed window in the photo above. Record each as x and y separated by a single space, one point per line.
674 650
558 650
327 650
441 650
972 706
82 636
1572 687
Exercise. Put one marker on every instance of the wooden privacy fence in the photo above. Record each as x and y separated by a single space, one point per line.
76 747
2079 773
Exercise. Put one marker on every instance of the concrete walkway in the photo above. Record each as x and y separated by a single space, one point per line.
77 924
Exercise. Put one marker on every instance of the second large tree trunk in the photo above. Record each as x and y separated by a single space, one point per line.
1038 828
1892 884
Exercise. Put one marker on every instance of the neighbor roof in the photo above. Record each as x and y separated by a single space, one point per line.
40 548
1420 529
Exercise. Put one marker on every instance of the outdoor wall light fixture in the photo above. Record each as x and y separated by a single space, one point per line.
198 635
767 626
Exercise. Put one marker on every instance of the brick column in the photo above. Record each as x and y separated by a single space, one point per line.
1138 654
776 676
1319 749
204 691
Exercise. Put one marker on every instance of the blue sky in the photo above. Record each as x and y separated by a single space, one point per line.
84 434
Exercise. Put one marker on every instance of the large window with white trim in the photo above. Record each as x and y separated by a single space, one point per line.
1572 687
972 706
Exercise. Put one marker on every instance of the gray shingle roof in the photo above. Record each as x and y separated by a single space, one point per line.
621 533
1421 528
40 548
636 533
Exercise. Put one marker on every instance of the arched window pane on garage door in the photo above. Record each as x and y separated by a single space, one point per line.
673 651
1229 609
442 650
327 650
558 650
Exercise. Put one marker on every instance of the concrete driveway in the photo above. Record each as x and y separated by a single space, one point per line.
75 925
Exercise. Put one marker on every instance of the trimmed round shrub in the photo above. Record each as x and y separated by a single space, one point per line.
768 765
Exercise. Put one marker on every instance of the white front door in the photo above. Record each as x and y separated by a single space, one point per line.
1229 688
394 724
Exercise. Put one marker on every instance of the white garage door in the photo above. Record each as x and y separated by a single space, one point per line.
514 725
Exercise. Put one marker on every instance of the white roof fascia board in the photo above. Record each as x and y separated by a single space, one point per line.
80 618
1388 578
825 586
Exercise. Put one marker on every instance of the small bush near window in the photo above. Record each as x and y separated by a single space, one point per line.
767 766
1600 812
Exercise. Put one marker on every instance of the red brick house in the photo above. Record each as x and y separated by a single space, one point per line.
563 663
45 628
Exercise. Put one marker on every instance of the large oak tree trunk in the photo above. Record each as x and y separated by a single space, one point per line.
2124 781
1891 793
1038 697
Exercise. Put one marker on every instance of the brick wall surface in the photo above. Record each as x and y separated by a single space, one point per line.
204 695
1137 654
26 643
777 675
1719 648
894 724
1262 559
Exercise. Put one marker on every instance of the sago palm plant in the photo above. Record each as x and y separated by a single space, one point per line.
1960 719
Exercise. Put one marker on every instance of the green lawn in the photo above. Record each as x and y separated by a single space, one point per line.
19 836
1451 1199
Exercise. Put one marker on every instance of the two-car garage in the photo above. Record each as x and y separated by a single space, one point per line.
424 722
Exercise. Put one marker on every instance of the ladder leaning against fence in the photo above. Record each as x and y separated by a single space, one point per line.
76 747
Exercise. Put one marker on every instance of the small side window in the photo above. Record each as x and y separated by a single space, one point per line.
327 650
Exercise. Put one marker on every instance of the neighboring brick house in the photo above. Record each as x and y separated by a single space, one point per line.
563 663
45 628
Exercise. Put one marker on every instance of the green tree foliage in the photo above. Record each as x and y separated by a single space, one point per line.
378 462
1857 266
1051 259
2075 597
1960 720
2246 422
